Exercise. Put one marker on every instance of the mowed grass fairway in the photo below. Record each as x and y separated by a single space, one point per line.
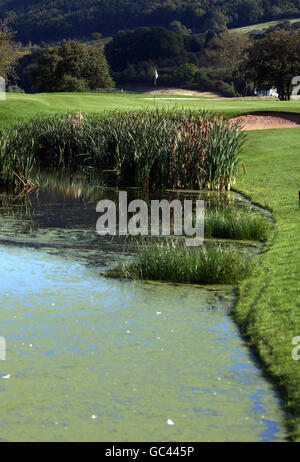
20 106
268 308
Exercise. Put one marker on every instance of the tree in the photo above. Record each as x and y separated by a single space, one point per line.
274 60
215 21
44 76
71 83
226 51
249 12
25 67
143 44
185 74
72 67
179 28
7 49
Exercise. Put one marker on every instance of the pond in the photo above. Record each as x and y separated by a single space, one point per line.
95 359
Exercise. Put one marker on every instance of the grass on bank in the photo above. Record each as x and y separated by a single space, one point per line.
172 262
268 308
236 223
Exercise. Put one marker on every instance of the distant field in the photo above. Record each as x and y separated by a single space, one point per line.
20 106
261 26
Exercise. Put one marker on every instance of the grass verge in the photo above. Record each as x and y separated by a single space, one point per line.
268 308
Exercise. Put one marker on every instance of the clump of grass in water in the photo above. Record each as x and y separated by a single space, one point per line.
171 262
233 223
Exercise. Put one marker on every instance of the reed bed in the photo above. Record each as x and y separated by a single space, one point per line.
148 148
171 262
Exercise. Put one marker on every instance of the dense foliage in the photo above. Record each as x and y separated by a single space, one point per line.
198 53
7 49
41 20
71 67
206 60
274 60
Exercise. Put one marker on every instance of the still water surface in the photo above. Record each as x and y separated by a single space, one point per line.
91 359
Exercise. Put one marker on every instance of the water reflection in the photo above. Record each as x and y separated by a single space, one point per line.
62 216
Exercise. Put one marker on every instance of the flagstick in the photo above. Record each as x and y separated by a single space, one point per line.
155 79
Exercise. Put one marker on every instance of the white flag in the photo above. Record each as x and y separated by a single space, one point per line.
155 74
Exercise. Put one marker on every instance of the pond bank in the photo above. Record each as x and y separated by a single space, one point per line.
268 308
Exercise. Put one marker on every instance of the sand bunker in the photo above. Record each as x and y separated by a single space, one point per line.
181 92
267 120
191 100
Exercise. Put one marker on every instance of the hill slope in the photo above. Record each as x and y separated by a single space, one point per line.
261 26
42 20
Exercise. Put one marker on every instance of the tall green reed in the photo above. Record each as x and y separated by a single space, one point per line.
148 148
